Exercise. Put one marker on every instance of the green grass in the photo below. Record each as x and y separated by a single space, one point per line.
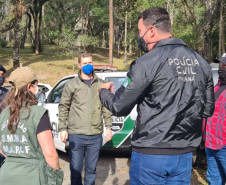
51 65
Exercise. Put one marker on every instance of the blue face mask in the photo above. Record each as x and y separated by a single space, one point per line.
87 69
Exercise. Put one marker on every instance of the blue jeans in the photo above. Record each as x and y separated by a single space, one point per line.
80 147
216 170
160 169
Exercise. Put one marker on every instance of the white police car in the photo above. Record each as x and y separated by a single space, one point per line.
121 126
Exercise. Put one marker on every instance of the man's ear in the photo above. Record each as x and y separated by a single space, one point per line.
79 66
152 31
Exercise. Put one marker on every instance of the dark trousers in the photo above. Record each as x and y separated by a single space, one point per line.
80 147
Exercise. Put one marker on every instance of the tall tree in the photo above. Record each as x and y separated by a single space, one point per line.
16 45
125 39
111 32
10 19
209 16
7 9
221 29
36 11
24 35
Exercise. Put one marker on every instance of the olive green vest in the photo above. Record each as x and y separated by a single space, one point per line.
25 162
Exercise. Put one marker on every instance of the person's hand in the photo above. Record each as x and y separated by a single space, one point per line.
108 85
63 136
109 135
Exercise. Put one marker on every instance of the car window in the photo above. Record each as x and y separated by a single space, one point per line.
42 91
43 88
117 81
215 76
41 97
55 96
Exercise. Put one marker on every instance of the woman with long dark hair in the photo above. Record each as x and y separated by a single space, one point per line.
25 135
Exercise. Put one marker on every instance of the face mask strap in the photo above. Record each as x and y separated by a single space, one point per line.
145 33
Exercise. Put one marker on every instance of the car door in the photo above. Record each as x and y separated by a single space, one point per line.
122 127
51 104
44 90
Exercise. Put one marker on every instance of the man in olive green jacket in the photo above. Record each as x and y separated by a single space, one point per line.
81 116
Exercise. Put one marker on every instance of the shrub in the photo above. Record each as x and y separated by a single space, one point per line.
3 43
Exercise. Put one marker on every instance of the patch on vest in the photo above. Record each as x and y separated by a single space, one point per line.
14 143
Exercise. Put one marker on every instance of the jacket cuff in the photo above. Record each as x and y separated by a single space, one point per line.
108 127
63 129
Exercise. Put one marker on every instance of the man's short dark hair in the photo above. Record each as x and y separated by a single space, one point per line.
157 17
84 55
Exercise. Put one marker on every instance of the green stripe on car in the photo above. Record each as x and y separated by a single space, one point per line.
120 136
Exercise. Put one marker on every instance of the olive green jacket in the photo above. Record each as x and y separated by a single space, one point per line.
25 162
80 109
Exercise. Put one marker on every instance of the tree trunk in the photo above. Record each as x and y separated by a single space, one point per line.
117 38
36 39
39 28
120 41
125 47
16 46
7 12
170 9
36 12
221 31
29 27
111 32
103 40
210 12
23 39
130 40
82 21
87 18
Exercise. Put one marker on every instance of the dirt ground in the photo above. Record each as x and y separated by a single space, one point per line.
113 168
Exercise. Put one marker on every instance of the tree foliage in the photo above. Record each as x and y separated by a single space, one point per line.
195 21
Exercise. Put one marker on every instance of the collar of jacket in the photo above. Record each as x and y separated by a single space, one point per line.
169 41
94 76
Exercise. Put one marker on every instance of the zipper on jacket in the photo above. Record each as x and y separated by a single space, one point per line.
90 110
90 105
